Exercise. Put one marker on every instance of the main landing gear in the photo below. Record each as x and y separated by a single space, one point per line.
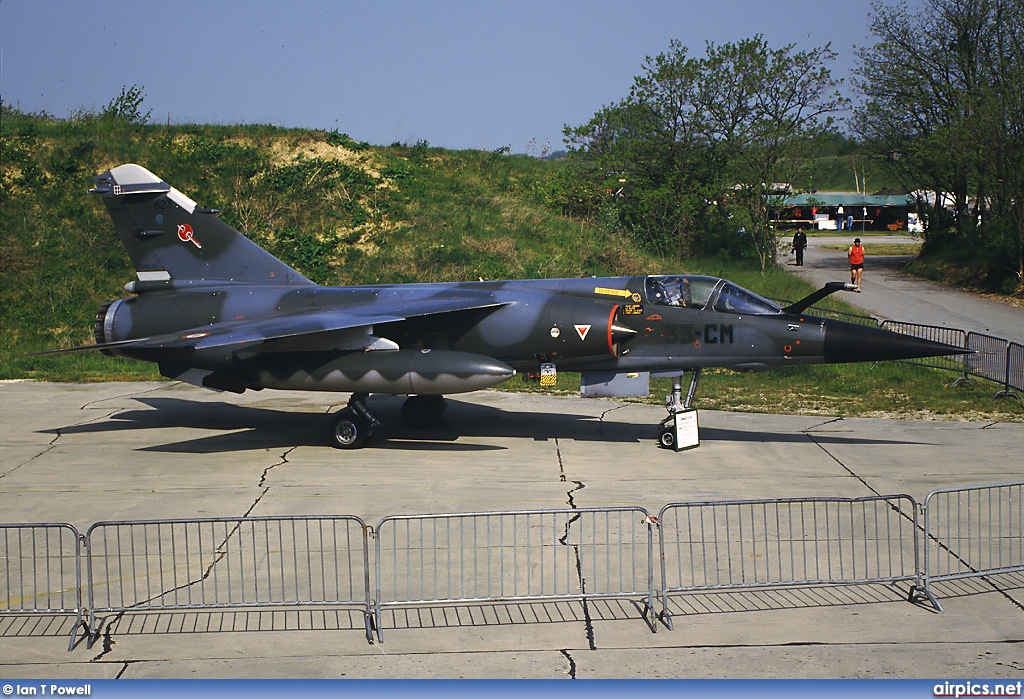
354 425
674 403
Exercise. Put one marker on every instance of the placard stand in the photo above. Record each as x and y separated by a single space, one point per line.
681 432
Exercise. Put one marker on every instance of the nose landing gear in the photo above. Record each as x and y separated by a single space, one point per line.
678 430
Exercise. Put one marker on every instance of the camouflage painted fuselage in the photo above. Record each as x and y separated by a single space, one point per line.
213 308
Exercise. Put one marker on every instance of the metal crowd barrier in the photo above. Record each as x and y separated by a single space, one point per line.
772 543
989 358
949 336
228 563
993 358
973 532
519 556
538 555
42 571
1014 371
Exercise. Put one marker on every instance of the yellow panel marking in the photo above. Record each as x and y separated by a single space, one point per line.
624 293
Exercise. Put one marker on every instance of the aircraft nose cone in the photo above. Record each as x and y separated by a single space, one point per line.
846 342
621 333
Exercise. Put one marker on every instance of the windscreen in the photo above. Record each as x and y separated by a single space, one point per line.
734 299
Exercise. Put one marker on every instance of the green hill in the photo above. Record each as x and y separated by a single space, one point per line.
338 210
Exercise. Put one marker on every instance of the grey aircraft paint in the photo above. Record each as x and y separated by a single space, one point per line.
213 308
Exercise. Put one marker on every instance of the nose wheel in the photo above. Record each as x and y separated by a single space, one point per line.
666 435
353 426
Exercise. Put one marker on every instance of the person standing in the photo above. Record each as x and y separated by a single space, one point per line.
856 256
799 244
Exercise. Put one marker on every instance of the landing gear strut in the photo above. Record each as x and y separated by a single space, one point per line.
354 424
675 404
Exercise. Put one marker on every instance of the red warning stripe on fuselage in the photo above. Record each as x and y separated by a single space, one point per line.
611 322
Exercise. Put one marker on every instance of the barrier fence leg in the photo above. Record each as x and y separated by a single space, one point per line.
920 594
1007 390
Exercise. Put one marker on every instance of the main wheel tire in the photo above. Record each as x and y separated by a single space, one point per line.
667 439
349 430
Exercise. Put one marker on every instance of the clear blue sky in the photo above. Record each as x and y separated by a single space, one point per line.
479 74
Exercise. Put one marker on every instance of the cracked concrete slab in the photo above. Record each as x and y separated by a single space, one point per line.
86 453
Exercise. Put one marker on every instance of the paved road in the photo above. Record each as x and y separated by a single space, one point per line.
889 293
85 453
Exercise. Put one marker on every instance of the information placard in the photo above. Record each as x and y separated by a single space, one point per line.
686 428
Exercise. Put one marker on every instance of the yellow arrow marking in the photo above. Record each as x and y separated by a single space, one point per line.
625 293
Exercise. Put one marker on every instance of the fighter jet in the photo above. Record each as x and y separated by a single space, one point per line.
212 308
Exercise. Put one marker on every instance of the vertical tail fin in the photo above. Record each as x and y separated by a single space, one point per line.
170 237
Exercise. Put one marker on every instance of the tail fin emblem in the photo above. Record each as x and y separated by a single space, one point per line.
186 234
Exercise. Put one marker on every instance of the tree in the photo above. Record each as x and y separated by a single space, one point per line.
1002 117
768 110
127 107
645 153
702 140
943 94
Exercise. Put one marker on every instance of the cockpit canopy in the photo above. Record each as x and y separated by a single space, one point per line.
711 293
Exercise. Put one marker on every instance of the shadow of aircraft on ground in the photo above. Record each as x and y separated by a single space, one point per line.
243 428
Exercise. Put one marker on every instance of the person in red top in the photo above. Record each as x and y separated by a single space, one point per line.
856 255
